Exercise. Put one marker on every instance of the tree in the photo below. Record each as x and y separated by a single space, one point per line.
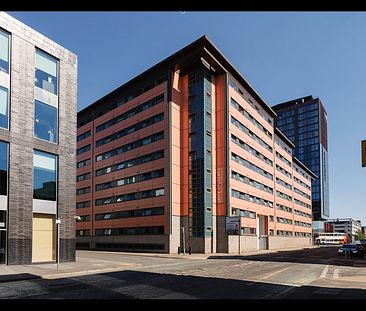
360 235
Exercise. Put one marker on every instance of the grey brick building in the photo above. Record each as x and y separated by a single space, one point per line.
38 87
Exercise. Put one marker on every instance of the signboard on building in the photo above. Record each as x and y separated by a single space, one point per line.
363 153
233 225
219 185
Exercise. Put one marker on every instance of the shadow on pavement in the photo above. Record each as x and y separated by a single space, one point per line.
17 277
321 255
145 285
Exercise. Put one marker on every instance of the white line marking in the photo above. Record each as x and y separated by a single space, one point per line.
336 273
325 271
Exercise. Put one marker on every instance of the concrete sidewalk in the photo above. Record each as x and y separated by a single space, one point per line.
51 271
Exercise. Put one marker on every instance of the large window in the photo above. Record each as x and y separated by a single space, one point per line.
4 51
44 176
46 72
4 107
45 121
3 167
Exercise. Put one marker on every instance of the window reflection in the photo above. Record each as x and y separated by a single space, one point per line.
46 72
44 176
45 122
4 107
4 51
3 167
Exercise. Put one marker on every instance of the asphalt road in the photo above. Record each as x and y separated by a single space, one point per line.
311 273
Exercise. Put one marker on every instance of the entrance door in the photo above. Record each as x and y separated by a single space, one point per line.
263 242
263 237
43 239
2 246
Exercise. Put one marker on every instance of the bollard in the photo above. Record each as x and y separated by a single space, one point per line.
190 250
178 249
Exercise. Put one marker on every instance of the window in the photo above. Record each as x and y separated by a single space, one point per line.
251 166
4 51
84 135
83 204
146 105
248 231
244 112
83 149
250 182
250 198
159 192
191 159
130 231
130 146
4 107
130 180
3 167
191 119
84 218
44 176
191 139
83 163
131 129
83 177
132 162
45 122
83 191
131 196
46 72
85 232
131 213
248 132
250 149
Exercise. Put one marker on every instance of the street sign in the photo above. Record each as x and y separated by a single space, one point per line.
233 225
363 153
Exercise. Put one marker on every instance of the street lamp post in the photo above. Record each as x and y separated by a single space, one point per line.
58 223
239 234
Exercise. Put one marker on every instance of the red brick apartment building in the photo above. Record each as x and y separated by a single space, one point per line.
164 159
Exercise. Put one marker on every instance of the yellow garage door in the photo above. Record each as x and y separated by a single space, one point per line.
43 241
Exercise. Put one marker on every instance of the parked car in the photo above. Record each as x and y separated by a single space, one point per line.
353 250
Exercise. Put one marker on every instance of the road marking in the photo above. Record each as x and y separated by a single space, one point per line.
336 273
274 273
325 271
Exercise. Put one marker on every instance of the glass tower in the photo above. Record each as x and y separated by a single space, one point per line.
304 122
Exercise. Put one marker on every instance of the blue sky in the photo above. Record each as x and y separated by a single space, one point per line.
282 55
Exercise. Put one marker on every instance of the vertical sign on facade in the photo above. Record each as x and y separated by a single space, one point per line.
219 185
363 153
